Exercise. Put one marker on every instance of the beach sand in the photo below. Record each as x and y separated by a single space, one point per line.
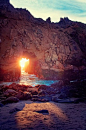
28 115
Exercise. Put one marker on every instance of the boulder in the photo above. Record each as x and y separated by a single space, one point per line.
10 92
13 86
42 87
35 96
55 98
58 85
11 99
24 95
27 95
42 93
33 91
20 95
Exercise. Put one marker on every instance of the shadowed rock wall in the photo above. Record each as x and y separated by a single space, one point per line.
52 48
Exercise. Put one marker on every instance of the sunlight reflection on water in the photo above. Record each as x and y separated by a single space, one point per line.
31 79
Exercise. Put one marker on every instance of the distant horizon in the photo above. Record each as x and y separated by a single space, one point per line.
75 10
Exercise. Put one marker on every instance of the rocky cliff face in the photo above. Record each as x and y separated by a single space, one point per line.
52 48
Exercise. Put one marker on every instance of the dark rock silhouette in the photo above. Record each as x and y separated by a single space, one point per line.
53 48
48 20
4 1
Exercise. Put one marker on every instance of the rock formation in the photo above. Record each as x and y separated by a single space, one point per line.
53 48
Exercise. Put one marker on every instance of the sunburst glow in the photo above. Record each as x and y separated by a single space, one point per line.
23 61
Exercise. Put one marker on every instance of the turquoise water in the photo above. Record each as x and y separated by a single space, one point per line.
30 79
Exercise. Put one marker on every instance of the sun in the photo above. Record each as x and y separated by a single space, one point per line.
23 62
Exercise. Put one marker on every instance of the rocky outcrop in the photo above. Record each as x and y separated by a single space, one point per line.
53 48
61 92
4 2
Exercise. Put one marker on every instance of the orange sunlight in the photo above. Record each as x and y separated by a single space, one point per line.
23 62
29 116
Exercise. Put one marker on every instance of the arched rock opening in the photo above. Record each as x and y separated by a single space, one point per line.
34 66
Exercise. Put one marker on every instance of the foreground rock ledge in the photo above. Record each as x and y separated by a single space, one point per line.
61 92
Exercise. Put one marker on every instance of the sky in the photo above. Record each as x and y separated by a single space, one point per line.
55 9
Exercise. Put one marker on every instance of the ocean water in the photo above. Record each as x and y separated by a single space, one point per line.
31 79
